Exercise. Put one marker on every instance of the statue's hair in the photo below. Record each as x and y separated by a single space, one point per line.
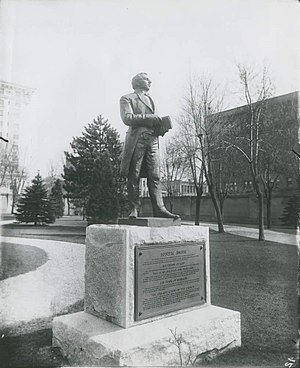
135 82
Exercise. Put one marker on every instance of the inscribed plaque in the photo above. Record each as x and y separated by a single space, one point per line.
168 277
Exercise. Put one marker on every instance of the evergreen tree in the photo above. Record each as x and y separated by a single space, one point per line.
291 212
57 199
92 172
34 205
103 204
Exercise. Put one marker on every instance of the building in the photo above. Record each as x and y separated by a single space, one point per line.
282 118
179 188
282 114
13 98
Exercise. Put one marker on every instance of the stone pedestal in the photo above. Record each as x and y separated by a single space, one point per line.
108 332
90 341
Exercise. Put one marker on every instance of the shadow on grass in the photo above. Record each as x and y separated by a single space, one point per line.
18 259
33 349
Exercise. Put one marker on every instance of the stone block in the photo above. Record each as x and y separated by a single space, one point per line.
110 267
150 221
90 341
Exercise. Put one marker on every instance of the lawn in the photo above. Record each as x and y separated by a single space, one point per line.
17 259
65 229
259 279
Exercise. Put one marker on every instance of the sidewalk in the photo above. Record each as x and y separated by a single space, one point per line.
29 301
240 230
249 232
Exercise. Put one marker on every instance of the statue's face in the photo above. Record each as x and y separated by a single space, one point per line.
145 82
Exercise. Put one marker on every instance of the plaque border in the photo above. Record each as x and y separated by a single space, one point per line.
137 248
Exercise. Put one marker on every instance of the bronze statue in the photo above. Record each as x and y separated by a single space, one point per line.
141 149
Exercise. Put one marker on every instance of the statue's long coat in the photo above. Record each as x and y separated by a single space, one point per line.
137 113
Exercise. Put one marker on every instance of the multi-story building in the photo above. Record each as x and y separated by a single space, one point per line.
13 98
282 133
279 165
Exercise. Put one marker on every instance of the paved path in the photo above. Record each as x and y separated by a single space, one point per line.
29 301
249 232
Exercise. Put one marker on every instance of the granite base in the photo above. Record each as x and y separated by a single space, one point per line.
90 341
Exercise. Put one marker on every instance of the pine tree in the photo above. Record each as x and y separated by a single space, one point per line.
92 172
103 204
291 212
34 205
57 199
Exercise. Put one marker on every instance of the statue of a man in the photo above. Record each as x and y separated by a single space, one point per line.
141 149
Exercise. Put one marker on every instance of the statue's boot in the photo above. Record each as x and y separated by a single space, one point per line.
159 209
134 213
163 212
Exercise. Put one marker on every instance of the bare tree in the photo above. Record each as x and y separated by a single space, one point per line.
172 168
225 173
203 102
9 158
189 148
247 136
278 160
12 175
17 177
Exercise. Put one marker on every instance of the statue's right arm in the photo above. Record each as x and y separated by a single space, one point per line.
138 120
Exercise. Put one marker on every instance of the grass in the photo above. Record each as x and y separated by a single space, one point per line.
258 279
30 350
60 231
17 259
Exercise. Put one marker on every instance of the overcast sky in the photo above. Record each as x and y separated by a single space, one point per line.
80 57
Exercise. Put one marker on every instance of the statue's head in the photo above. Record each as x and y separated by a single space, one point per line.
141 81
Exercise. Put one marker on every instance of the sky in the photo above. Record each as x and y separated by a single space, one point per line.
80 56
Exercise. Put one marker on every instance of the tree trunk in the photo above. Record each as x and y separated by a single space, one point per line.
218 211
261 216
198 203
221 201
171 204
269 219
211 188
12 206
68 205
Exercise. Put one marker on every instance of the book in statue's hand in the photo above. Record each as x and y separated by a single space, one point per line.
165 125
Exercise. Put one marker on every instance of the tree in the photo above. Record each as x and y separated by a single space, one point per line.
201 108
8 159
34 205
103 204
279 135
188 147
291 212
12 175
226 173
173 167
57 199
98 144
247 136
17 177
